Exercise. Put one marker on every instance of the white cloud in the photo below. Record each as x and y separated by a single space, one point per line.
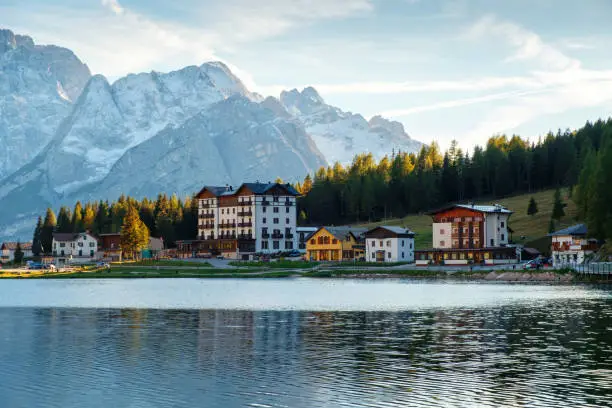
113 5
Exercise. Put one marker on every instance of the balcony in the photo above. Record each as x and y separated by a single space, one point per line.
227 236
245 236
265 202
265 235
289 236
205 206
245 203
288 203
245 224
245 213
207 226
227 225
207 216
277 235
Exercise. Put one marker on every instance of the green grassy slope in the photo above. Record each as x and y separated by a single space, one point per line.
533 228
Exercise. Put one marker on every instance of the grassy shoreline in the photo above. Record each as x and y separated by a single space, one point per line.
126 272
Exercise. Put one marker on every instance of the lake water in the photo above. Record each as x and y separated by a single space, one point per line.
302 343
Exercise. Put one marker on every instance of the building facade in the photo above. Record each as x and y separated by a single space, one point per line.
570 246
303 233
389 244
467 233
75 247
254 218
7 251
336 244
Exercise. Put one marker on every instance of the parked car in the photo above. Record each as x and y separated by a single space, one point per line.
103 265
294 254
220 257
533 264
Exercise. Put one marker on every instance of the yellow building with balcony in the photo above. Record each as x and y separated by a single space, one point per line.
336 244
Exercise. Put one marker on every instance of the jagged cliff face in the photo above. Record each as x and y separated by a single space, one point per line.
38 85
68 136
342 135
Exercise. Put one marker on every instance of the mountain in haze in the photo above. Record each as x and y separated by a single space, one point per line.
341 135
71 136
38 85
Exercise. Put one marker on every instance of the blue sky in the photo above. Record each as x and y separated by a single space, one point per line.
462 69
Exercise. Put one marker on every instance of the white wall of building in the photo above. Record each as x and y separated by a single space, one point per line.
84 246
442 233
396 249
496 230
283 219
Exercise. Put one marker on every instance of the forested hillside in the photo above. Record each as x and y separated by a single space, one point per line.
368 191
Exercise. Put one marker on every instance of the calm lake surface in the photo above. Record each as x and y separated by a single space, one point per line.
302 343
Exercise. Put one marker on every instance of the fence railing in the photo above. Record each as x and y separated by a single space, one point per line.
591 268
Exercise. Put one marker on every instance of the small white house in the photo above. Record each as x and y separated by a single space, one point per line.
75 247
389 244
7 251
570 246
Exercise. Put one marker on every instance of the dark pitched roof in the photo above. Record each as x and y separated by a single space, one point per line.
578 229
262 188
343 231
13 245
256 188
400 231
68 236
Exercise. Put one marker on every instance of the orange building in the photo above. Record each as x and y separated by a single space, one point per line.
336 244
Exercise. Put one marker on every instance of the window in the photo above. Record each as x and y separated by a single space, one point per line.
62 245
442 243
403 243
373 244
313 242
334 241
502 224
263 220
264 244
80 244
91 253
492 242
276 209
381 244
275 244
62 252
275 220
403 255
275 198
288 244
264 209
441 231
223 211
503 237
389 243
287 231
80 252
286 220
287 210
410 244
388 255
91 244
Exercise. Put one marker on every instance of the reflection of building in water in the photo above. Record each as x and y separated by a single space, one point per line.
223 334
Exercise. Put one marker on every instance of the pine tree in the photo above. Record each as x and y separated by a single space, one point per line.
18 254
37 238
558 212
46 236
532 209
77 218
89 218
64 222
134 233
551 226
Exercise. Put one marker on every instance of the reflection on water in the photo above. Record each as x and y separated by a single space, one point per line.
554 355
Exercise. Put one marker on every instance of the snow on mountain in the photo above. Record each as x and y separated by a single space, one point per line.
150 133
341 135
38 85
233 140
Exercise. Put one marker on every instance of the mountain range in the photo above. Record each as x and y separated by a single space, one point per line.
67 135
